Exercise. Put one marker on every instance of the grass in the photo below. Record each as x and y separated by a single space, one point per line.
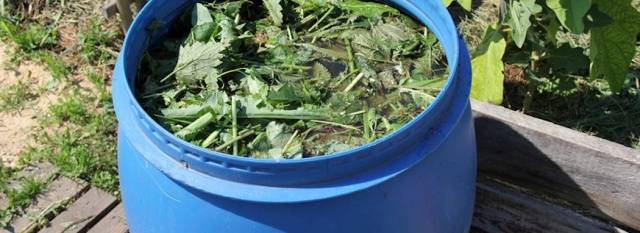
93 42
15 97
29 38
588 106
19 199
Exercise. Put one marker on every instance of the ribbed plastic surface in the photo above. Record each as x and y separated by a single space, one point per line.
418 179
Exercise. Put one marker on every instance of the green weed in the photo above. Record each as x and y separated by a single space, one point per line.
56 66
92 39
19 199
588 106
70 108
30 38
85 145
15 97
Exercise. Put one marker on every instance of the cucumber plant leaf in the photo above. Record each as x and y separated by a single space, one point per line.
613 46
487 67
570 13
518 18
466 4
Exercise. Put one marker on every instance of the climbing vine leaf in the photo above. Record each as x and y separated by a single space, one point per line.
570 13
487 67
518 18
613 45
466 4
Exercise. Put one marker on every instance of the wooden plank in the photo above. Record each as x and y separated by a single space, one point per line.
110 9
59 190
501 210
124 7
114 222
40 171
595 176
83 213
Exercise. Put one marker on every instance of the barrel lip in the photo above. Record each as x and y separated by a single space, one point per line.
308 170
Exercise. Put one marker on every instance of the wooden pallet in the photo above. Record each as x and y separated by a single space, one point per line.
124 8
534 176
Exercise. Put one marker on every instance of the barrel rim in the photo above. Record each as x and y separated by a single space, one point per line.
199 158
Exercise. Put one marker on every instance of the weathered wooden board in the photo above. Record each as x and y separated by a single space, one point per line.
83 213
110 9
41 172
126 15
593 175
59 190
502 210
114 222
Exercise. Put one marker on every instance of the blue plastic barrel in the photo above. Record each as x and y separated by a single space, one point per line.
420 178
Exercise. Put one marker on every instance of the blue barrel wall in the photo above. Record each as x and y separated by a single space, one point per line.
420 178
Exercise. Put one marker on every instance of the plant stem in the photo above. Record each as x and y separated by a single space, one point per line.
197 125
531 86
229 143
210 139
321 19
354 82
286 146
335 124
234 126
352 64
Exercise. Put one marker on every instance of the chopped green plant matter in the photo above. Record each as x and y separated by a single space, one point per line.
290 79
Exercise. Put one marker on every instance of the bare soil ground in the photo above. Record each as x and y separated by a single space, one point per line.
17 126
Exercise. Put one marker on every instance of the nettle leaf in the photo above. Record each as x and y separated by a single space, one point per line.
200 15
367 9
284 94
466 4
203 24
570 13
197 60
275 11
487 66
613 46
518 18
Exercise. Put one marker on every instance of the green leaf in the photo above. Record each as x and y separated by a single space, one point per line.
613 46
275 11
570 13
567 59
200 15
252 108
488 79
466 4
197 60
284 94
367 9
518 18
203 24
